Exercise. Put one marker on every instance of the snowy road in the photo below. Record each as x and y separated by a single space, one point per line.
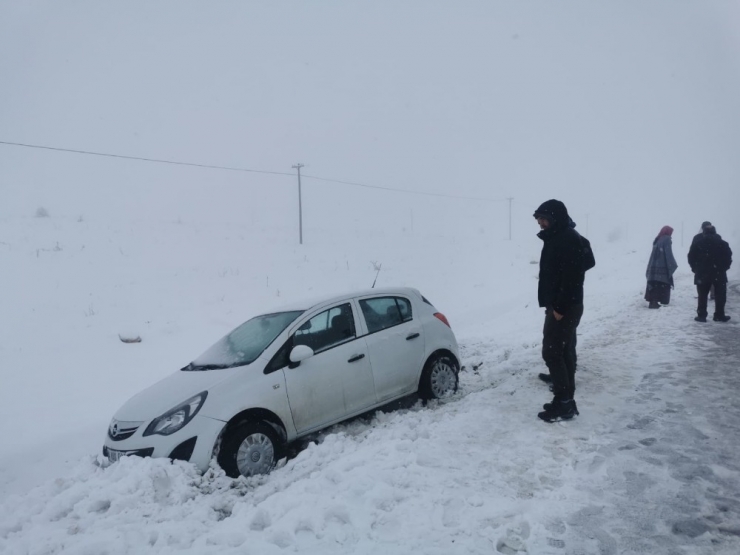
661 469
649 467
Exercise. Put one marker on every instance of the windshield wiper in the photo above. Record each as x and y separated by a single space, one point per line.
197 367
201 367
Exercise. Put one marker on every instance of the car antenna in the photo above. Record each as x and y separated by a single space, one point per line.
376 275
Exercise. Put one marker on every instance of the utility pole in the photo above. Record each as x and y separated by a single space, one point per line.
509 199
586 223
300 205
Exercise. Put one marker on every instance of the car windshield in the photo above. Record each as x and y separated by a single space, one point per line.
243 345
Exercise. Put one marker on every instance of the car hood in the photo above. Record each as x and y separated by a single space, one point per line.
170 392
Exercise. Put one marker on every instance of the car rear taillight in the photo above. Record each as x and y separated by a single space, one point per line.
442 318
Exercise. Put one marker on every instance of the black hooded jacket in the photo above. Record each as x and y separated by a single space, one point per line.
563 261
710 257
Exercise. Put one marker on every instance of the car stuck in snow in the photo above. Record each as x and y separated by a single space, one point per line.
284 375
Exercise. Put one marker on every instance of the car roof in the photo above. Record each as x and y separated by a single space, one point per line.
328 299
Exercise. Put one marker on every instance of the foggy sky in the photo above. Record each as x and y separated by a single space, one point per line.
626 111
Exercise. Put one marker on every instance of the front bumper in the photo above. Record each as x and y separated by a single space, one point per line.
194 443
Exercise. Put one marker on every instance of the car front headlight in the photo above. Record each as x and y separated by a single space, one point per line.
173 420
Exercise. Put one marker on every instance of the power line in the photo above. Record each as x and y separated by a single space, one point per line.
157 160
229 168
402 190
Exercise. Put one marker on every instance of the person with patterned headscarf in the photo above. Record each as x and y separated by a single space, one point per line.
660 269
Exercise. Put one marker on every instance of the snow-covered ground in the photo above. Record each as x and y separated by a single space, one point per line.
422 126
649 466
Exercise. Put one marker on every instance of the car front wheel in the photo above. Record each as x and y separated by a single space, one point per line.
249 449
439 378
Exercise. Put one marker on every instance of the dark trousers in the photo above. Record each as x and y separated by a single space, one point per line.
559 349
711 292
720 297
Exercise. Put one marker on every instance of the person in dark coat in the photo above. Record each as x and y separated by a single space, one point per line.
564 260
710 257
660 269
704 225
699 235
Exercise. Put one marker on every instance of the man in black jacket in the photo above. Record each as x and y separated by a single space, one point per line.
710 257
704 225
564 260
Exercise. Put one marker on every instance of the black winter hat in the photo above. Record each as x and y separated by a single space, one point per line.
554 211
705 225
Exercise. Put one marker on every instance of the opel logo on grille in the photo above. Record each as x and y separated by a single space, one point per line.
114 428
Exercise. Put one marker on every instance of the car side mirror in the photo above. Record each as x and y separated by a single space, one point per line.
300 353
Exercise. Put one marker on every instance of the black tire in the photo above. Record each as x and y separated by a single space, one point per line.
439 378
250 448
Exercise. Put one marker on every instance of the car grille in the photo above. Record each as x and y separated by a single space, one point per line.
119 430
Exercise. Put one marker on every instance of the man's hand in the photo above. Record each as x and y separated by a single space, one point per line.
557 315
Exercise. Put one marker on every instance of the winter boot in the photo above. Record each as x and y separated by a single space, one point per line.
702 319
653 305
559 410
722 318
548 406
547 378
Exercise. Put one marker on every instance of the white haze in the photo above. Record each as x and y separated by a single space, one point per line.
627 111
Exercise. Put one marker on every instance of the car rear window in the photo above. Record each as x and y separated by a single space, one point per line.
385 312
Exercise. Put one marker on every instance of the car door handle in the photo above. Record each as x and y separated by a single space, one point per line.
412 336
356 358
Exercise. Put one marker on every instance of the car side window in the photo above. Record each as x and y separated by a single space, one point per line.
327 329
385 312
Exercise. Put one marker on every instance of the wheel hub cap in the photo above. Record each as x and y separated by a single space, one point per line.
256 455
443 379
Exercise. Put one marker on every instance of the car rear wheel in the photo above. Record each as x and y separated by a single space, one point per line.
249 449
439 378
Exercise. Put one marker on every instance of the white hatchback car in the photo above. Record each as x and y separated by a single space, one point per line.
284 375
